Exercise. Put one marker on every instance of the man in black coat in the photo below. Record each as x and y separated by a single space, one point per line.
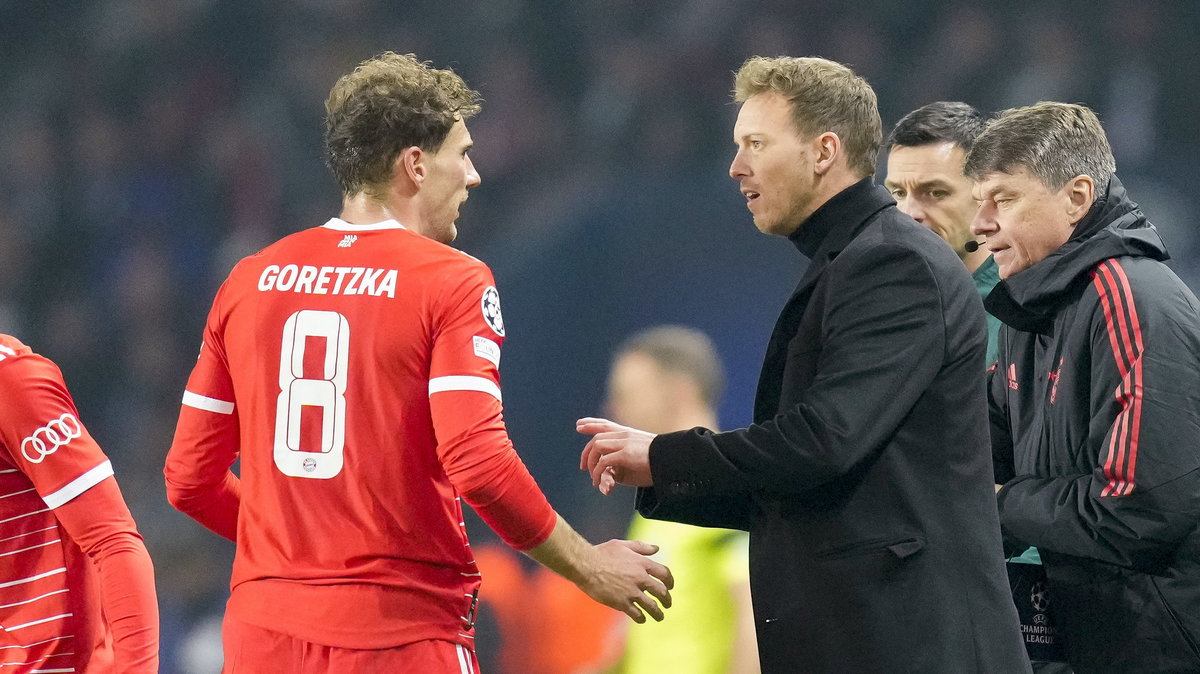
865 481
1095 399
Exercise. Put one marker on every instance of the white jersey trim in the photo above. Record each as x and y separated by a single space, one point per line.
343 226
464 659
28 514
79 485
32 547
18 493
30 579
464 383
28 533
39 643
30 601
207 404
41 621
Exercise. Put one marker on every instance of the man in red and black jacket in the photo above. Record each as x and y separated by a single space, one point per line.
1095 396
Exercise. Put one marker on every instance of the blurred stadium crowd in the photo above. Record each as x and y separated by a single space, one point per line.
149 144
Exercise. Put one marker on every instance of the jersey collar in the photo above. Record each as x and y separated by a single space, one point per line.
343 226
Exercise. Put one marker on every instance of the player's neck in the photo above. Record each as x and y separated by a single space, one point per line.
363 209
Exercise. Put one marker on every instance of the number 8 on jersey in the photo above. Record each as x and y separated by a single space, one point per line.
324 394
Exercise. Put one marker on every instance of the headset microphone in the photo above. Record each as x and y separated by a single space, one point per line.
972 246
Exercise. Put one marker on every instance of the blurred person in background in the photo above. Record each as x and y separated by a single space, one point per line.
865 480
354 369
664 379
76 583
1095 400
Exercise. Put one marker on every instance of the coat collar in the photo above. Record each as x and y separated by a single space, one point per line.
836 222
1113 227
821 237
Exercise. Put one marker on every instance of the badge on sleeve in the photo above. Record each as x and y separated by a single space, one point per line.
47 439
491 310
487 349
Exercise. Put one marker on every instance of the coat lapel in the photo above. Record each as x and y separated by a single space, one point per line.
770 379
829 230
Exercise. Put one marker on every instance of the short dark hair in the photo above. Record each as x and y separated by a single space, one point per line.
681 350
386 104
1052 141
940 122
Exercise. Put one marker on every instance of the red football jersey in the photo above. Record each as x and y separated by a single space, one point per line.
49 593
354 370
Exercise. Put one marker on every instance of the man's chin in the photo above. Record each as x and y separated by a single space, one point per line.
774 227
446 235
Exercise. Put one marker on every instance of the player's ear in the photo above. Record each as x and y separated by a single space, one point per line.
411 165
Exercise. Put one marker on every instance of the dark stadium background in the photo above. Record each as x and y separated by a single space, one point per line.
148 144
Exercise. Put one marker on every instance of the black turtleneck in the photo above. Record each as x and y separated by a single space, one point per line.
833 225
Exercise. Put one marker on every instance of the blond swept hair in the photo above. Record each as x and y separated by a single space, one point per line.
825 96
1052 141
386 104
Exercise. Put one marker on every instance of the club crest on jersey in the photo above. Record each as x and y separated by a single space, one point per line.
491 310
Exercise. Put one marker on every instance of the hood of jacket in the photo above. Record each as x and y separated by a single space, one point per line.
1113 227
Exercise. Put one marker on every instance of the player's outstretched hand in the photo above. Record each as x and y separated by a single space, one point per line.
625 578
615 454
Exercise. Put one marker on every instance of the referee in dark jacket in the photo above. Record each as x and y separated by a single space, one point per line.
1095 399
866 480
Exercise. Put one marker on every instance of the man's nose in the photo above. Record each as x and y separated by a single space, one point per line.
982 223
738 168
473 179
912 208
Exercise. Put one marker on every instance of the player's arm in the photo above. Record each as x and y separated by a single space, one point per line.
198 470
480 462
76 481
100 523
485 470
617 573
1143 498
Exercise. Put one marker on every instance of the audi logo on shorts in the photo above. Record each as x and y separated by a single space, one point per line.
47 439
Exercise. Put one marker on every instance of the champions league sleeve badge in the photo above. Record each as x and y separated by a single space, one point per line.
491 310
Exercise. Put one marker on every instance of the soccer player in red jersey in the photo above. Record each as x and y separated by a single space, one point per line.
76 583
354 369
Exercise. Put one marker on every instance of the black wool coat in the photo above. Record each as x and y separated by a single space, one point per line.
866 479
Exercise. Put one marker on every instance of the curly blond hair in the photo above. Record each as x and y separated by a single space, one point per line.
386 104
